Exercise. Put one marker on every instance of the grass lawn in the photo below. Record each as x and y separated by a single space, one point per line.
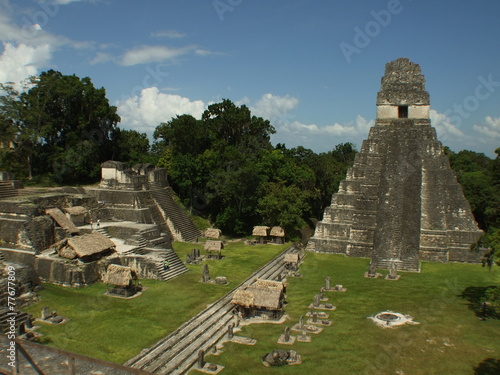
116 330
450 338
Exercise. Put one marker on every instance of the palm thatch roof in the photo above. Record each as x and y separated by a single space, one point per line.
269 284
292 258
213 245
260 231
76 210
119 275
277 232
243 298
268 298
61 219
89 244
213 233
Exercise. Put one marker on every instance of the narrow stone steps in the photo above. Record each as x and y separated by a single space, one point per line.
180 220
177 267
20 318
103 231
176 353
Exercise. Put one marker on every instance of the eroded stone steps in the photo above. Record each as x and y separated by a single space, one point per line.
180 220
176 267
177 352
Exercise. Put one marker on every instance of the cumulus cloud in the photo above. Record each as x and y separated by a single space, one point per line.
101 57
354 128
276 109
491 128
150 54
152 107
445 129
22 61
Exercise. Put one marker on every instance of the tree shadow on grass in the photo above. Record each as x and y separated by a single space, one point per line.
476 296
488 366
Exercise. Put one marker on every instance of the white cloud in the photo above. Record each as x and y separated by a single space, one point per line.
171 34
101 57
323 138
274 108
149 54
152 107
18 63
491 129
352 129
445 129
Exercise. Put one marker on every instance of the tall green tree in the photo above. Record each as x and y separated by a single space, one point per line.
63 126
131 147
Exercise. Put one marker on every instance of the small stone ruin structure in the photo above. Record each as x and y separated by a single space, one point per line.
122 278
263 299
400 201
292 262
281 357
277 235
262 233
214 249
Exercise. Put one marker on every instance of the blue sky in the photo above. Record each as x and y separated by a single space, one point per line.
312 68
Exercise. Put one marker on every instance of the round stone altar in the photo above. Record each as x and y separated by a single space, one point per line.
388 319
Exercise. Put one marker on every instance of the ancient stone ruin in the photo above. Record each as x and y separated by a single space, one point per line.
400 201
69 236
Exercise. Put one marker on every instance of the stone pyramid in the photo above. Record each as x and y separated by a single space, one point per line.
400 201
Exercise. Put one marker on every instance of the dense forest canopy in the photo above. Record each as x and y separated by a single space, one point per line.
222 166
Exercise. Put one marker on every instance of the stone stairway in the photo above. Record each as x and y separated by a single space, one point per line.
409 264
176 353
139 241
183 226
103 231
20 318
176 267
7 190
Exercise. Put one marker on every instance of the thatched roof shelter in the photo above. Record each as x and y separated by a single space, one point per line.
76 210
260 231
61 219
119 275
214 245
292 258
213 233
258 297
277 232
90 244
261 294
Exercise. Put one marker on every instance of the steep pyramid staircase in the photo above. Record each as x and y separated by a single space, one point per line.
176 267
183 228
408 264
